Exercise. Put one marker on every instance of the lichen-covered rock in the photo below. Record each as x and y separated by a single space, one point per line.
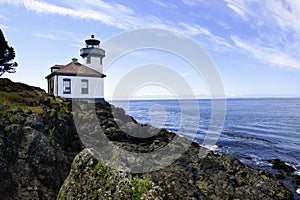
210 177
90 179
39 140
33 162
36 147
192 176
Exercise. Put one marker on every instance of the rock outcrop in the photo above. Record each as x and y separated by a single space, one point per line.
196 174
39 140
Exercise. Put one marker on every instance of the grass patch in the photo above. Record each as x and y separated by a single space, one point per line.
102 170
34 109
134 188
50 134
61 196
140 187
28 100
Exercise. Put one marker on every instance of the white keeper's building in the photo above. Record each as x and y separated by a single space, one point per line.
80 81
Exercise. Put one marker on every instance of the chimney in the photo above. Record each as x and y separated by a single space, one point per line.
75 60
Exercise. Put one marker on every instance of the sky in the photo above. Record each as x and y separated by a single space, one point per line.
254 44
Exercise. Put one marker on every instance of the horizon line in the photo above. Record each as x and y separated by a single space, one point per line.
237 97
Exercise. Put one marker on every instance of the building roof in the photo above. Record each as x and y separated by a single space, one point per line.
57 66
74 68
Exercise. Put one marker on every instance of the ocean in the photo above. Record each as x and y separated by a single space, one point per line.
255 130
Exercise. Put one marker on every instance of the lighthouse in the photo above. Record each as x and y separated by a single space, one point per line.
80 81
92 54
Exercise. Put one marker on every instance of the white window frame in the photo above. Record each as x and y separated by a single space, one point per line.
67 86
84 86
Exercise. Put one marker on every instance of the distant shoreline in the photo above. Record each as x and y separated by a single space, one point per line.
187 99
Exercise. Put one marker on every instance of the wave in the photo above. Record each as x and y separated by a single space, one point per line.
246 136
213 148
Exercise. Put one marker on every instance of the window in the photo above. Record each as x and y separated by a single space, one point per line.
67 86
88 60
84 86
51 86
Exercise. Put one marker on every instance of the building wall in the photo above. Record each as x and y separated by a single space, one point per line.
55 85
95 87
51 85
96 63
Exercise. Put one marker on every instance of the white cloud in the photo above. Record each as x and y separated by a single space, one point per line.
192 2
3 18
240 7
47 36
276 30
224 25
164 4
269 55
238 10
116 15
16 2
74 38
193 30
2 26
284 15
109 14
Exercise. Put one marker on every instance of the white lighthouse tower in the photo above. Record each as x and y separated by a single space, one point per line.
92 54
80 81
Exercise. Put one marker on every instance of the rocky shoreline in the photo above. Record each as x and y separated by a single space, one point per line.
191 176
43 157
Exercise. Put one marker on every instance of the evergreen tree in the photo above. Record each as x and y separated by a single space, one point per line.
7 54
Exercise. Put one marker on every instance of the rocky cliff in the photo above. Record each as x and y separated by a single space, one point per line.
38 142
43 157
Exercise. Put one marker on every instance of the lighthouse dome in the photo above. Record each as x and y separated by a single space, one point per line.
92 42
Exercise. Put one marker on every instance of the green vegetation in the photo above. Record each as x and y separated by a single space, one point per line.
11 116
7 117
24 100
134 188
140 187
98 168
101 170
6 129
95 195
34 109
51 133
7 54
21 96
63 108
61 196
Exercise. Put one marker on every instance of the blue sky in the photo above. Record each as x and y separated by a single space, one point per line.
253 43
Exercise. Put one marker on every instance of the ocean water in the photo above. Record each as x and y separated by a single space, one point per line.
255 130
